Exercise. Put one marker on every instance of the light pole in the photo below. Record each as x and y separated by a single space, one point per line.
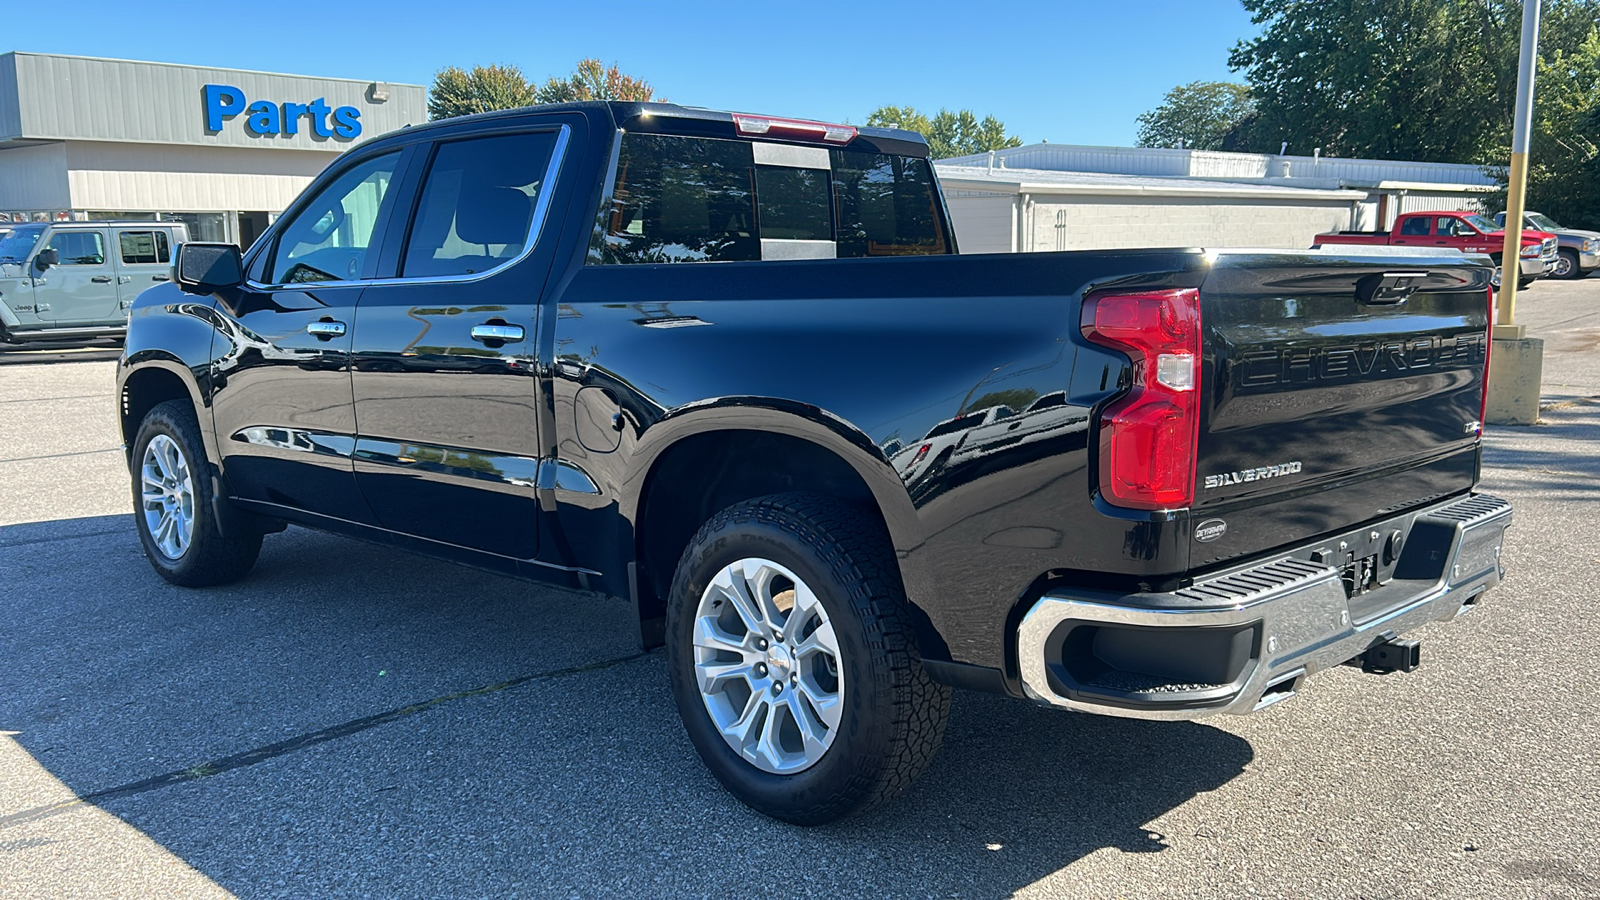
1516 364
1510 254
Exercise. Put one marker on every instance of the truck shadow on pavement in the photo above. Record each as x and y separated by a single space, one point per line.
350 720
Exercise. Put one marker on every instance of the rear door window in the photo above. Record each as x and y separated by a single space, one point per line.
1416 226
477 208
140 248
686 199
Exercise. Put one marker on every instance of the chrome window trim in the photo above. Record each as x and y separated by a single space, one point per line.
535 228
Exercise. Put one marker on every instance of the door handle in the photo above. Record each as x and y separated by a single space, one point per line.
325 329
497 332
158 278
101 279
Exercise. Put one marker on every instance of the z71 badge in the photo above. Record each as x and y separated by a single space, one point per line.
1260 473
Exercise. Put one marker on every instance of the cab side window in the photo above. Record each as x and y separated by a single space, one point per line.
144 247
328 239
79 248
1417 226
476 210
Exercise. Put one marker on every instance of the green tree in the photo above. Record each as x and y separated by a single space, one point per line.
948 133
1430 80
1564 152
458 92
593 81
1201 115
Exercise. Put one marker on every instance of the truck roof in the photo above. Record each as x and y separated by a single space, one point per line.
677 119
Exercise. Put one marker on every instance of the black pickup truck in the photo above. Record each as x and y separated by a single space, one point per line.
731 368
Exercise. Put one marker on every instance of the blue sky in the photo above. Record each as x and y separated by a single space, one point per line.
1057 70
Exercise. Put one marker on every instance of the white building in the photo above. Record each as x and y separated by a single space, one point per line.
1065 197
221 149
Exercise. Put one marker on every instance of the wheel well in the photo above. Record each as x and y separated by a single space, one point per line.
142 392
704 474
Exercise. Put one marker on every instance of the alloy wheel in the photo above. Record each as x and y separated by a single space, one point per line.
167 496
768 666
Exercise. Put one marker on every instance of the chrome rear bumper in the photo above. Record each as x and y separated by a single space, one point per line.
1246 638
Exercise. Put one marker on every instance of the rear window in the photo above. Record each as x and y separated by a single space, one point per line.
685 199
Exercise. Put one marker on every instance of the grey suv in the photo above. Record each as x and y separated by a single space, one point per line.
77 279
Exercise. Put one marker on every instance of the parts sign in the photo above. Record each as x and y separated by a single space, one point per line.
223 101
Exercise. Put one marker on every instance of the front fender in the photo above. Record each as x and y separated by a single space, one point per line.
169 331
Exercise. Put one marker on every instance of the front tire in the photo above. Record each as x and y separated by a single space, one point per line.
173 504
1567 265
793 660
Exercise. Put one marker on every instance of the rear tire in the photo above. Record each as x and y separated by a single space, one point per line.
807 736
173 504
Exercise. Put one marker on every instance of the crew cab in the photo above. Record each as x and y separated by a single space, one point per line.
1463 231
67 280
1579 249
731 368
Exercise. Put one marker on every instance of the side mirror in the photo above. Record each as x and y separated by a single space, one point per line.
203 268
47 257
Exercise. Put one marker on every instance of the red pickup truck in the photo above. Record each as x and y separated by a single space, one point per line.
1467 232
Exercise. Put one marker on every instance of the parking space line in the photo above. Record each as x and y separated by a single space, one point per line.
100 396
4 544
299 742
61 455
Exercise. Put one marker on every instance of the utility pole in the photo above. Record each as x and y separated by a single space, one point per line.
1517 361
1517 189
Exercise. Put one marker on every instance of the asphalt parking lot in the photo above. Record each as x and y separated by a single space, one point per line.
353 721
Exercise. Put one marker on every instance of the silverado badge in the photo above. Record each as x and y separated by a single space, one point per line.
1259 473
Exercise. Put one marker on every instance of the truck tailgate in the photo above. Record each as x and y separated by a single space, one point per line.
1338 388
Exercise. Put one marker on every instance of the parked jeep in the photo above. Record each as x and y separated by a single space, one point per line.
62 280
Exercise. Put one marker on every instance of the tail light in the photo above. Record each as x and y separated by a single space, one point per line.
1148 437
794 129
1488 343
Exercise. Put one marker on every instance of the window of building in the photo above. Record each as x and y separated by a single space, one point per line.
79 248
211 226
328 238
477 205
144 247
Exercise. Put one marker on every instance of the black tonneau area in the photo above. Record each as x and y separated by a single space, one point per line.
1339 387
